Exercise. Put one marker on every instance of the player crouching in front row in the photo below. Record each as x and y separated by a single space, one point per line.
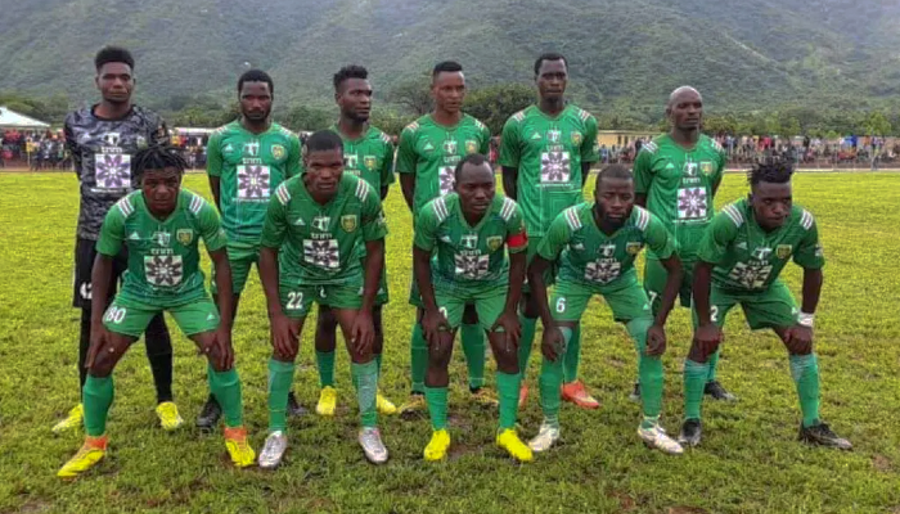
596 244
160 226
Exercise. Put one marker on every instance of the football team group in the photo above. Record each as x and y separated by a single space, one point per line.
311 220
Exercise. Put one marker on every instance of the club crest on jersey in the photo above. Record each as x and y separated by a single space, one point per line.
706 167
495 242
321 223
184 236
553 136
577 138
690 169
251 149
161 238
469 241
278 152
450 147
370 162
351 160
471 147
784 251
633 248
349 222
112 138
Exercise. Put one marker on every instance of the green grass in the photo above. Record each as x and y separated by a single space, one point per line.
749 460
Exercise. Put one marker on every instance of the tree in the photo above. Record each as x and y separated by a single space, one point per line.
493 105
414 95
308 118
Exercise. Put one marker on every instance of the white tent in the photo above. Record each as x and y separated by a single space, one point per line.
12 120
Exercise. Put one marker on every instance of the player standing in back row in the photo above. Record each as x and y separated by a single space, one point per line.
676 176
247 160
546 153
430 148
102 140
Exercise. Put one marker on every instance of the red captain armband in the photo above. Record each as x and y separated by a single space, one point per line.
517 240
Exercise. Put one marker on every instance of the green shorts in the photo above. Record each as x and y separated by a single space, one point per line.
488 301
241 256
655 275
773 307
130 317
296 300
570 299
549 274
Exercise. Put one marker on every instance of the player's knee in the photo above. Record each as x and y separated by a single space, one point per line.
214 357
439 354
507 358
361 357
103 364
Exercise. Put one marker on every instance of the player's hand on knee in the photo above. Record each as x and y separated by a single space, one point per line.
707 338
284 337
656 340
100 337
220 351
362 333
552 343
799 340
509 322
433 323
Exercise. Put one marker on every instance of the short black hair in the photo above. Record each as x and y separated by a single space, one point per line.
256 76
156 157
353 71
446 66
474 159
109 54
773 170
614 171
549 56
324 140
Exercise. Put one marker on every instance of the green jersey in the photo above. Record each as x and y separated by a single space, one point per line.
431 151
370 157
548 152
250 167
592 258
747 258
470 256
679 185
163 259
318 242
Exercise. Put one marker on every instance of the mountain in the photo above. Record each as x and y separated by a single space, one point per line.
739 53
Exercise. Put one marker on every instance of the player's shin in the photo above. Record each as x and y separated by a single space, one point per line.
713 362
419 359
97 396
526 342
573 356
365 379
508 389
437 406
325 365
281 376
805 372
472 336
695 374
650 368
226 387
551 380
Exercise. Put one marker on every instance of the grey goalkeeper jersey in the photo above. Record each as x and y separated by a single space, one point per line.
102 150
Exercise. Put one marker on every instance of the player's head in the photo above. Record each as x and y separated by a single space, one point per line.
614 193
255 92
770 192
475 184
353 93
551 73
685 109
115 74
323 161
448 86
158 170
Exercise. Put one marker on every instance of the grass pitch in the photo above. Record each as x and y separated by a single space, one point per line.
749 460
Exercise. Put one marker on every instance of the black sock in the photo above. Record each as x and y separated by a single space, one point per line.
159 353
84 345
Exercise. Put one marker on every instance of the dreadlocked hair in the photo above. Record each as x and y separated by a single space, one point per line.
157 157
772 170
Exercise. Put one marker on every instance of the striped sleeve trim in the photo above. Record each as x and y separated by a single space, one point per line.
196 204
125 206
650 147
806 220
479 124
584 115
643 219
519 116
508 209
440 209
283 195
412 127
572 218
362 189
734 214
385 138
